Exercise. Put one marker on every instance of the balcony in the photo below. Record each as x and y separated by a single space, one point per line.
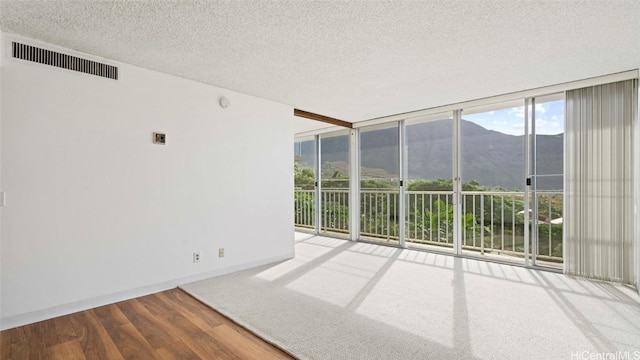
493 223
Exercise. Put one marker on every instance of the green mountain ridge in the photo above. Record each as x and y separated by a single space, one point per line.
491 158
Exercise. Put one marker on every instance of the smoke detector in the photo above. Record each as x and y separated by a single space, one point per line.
224 102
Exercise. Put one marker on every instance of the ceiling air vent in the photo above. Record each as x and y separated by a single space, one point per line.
48 57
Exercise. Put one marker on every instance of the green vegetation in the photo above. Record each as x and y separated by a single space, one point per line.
304 179
491 221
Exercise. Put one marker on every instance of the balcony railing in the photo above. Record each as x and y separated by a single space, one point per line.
491 222
304 207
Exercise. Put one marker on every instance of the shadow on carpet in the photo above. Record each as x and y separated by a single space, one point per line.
344 300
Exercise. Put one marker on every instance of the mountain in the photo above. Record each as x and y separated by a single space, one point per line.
491 158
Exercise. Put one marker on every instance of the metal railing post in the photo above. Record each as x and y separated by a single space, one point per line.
403 171
354 185
318 187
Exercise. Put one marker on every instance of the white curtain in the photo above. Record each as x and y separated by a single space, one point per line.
599 181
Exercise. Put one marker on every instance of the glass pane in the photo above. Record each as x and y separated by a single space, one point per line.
493 181
549 128
429 191
549 149
379 184
334 170
304 181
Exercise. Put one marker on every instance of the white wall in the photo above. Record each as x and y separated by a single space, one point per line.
97 213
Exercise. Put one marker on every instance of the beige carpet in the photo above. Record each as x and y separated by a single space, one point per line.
345 300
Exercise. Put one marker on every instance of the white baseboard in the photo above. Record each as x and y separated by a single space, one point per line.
81 305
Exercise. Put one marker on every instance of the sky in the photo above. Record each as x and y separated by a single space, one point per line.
549 119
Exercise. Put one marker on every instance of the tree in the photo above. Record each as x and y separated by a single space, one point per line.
304 179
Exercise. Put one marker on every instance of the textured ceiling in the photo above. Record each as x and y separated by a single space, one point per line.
349 60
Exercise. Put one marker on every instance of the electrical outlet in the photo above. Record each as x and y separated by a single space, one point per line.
221 252
159 138
196 257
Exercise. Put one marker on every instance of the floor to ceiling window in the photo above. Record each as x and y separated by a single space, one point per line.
429 182
547 178
304 184
493 180
512 180
334 183
484 181
380 217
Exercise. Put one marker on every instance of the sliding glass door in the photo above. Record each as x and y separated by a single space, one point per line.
334 183
512 180
380 217
547 178
486 181
429 183
493 204
304 199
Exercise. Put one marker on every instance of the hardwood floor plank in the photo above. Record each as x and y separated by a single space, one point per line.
64 329
190 334
262 343
37 348
49 333
192 309
155 332
70 350
242 345
168 325
27 342
212 319
177 351
256 340
94 339
131 344
129 341
5 344
161 336
20 343
111 316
